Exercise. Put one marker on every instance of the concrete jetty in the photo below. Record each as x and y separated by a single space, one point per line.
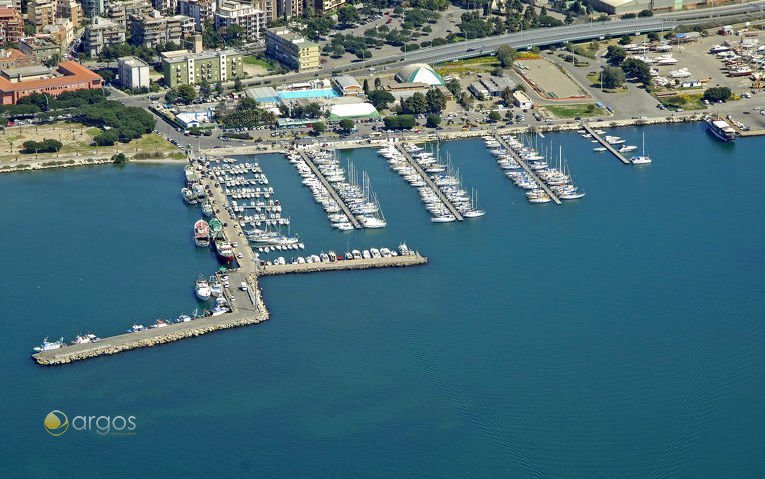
528 170
330 189
248 308
608 146
390 262
430 183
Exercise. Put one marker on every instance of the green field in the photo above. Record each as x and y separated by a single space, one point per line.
253 60
580 110
683 101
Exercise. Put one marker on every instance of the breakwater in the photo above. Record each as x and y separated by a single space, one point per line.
348 264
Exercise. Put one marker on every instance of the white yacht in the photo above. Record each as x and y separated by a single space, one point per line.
136 327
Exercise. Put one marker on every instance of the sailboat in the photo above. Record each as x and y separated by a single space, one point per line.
641 159
474 211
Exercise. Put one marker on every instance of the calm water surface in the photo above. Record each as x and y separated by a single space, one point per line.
617 336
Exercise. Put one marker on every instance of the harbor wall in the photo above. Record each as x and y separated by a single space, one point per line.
391 262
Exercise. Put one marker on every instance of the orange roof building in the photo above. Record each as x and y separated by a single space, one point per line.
11 25
17 83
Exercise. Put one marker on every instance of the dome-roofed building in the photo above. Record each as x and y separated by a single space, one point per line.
419 73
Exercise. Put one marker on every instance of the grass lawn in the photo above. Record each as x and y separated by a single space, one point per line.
594 77
683 101
580 110
77 141
486 63
253 60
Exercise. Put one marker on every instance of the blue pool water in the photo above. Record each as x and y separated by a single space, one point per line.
315 93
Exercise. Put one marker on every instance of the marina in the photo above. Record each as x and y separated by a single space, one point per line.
330 190
606 144
504 142
453 212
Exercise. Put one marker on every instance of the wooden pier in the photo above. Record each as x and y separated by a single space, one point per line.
348 264
608 146
331 190
430 183
528 169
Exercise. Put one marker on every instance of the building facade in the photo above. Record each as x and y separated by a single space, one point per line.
151 31
41 46
252 20
41 13
92 8
134 73
12 58
325 6
289 8
62 32
125 12
200 10
185 68
68 76
166 7
11 25
69 10
292 49
102 33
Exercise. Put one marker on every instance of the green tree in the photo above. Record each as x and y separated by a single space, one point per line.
494 116
433 121
238 84
507 96
171 96
625 40
347 15
637 69
653 37
454 86
186 93
219 88
318 128
612 77
716 94
119 159
615 55
399 122
366 86
347 125
416 104
380 99
204 88
436 100
506 55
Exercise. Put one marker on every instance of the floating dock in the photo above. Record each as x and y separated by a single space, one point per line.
331 190
248 308
430 183
528 170
608 146
348 264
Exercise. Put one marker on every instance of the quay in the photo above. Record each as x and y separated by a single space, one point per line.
608 146
390 262
330 189
430 183
247 308
527 169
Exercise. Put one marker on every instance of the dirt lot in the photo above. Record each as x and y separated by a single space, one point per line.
76 139
548 80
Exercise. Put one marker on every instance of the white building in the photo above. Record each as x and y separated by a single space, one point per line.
134 73
522 101
252 20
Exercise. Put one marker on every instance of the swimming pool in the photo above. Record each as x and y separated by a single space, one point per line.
314 93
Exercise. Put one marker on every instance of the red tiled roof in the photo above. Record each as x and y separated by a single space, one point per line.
73 72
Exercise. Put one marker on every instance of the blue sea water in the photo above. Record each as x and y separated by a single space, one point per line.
617 336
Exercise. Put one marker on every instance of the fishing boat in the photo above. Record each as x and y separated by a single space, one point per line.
188 196
49 345
216 226
224 249
136 328
202 289
190 173
202 233
207 209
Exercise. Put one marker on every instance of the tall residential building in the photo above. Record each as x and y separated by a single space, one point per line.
62 32
11 25
269 7
41 12
11 4
102 33
69 10
133 72
154 30
166 7
289 8
325 6
92 8
125 12
184 68
252 20
292 49
200 10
